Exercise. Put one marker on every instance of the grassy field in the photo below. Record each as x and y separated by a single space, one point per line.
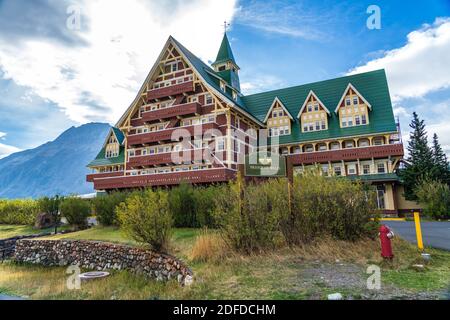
309 272
10 231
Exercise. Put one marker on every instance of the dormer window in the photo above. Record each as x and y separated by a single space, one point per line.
313 114
222 86
222 68
234 95
353 109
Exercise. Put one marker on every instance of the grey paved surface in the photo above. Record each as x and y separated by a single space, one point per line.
5 297
435 234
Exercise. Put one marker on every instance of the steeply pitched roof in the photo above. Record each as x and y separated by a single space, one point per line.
101 159
119 135
372 85
225 53
275 101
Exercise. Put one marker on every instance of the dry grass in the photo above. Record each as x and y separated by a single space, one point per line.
208 247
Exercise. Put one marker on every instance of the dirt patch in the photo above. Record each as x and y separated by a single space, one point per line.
351 281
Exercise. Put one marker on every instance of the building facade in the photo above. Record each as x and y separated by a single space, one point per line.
190 122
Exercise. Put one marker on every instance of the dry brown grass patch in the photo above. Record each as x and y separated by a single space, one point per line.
208 247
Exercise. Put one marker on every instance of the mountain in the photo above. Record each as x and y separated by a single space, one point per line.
57 167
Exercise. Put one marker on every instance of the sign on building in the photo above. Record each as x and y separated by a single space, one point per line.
265 164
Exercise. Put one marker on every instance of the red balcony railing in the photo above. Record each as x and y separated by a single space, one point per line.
166 158
164 179
166 135
91 177
348 154
178 110
172 90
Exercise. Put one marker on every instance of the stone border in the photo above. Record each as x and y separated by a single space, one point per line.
95 255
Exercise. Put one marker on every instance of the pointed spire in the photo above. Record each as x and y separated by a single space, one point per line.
225 53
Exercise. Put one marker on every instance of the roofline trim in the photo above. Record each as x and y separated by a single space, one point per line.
351 86
311 92
282 106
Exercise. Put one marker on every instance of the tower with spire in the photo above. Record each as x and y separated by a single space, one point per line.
226 66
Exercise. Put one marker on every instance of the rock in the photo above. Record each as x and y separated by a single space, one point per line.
44 221
335 296
188 281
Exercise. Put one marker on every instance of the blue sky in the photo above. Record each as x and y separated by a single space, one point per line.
53 76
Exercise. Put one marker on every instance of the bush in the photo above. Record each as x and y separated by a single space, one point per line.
146 218
182 206
105 207
76 211
329 206
51 206
192 207
22 212
435 196
262 216
247 221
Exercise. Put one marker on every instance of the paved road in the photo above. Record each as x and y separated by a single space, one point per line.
435 234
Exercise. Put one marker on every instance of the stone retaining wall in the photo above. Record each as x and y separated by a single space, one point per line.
7 246
94 255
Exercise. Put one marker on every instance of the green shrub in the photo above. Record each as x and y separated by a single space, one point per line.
22 212
76 211
248 222
146 218
182 206
204 198
51 206
105 207
435 196
330 206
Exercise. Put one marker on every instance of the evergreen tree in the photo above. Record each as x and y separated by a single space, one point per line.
419 163
441 166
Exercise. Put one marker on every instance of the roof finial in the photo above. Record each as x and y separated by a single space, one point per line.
225 26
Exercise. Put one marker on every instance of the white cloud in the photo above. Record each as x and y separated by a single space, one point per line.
400 111
2 135
99 81
6 150
261 83
419 67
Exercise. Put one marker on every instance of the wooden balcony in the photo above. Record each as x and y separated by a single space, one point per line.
172 90
169 134
348 154
166 158
178 110
91 177
165 179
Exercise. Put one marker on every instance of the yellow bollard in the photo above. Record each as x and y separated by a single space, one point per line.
418 231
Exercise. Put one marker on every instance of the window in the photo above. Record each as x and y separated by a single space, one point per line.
357 120
222 68
350 122
363 119
349 144
324 125
366 168
344 122
364 143
317 125
381 168
322 147
335 146
355 101
274 114
310 108
347 102
337 171
220 144
351 169
316 107
325 169
193 99
131 153
378 141
381 190
280 113
175 67
309 148
234 95
305 127
222 86
208 99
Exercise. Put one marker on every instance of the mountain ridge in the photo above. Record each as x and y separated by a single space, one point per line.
55 167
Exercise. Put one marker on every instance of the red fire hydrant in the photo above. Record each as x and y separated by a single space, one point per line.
385 239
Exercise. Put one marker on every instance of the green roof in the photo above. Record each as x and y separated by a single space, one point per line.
119 134
372 85
101 159
376 177
225 53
